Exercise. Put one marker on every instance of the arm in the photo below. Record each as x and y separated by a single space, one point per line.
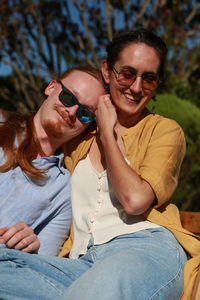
54 233
134 193
49 236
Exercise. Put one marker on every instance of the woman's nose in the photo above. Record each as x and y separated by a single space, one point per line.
136 86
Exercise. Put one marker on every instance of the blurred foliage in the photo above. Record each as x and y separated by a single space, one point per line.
16 97
44 37
187 115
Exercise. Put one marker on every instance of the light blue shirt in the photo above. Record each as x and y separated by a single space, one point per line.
43 205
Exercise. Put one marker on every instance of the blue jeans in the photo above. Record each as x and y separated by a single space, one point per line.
144 265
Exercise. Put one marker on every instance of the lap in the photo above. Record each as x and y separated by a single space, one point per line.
135 265
146 265
32 276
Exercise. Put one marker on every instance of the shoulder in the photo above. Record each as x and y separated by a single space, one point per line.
159 126
161 121
167 128
77 148
155 126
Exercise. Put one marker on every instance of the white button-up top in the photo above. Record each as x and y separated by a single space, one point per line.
97 214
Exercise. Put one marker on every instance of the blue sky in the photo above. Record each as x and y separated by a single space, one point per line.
6 70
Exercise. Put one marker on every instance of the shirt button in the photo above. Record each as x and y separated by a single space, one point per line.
92 220
99 176
98 189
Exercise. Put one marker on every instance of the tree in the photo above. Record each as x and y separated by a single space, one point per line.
41 38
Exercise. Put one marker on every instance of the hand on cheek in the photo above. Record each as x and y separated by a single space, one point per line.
106 116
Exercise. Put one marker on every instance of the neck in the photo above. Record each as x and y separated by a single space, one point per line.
48 144
130 121
47 147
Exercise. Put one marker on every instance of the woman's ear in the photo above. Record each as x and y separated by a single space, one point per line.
105 71
50 88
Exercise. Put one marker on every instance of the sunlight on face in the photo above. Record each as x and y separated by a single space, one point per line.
61 122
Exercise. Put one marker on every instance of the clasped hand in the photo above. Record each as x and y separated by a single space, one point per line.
20 237
106 116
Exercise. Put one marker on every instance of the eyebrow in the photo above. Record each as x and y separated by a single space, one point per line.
67 90
73 92
131 69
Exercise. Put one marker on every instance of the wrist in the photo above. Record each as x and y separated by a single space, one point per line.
107 136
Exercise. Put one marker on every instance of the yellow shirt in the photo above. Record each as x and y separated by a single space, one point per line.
155 148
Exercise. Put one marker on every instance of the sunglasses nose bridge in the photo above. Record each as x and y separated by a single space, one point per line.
72 110
136 83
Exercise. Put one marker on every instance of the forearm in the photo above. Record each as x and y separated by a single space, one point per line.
54 233
134 193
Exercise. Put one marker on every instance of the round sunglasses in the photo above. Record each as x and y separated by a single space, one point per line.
127 77
68 99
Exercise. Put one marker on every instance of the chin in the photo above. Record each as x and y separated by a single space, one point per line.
54 129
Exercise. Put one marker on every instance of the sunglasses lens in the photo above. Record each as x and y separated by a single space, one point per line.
67 99
150 80
84 115
127 78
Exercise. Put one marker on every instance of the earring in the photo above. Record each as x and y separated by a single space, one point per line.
154 105
107 88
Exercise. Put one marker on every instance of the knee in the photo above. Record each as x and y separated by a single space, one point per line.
11 257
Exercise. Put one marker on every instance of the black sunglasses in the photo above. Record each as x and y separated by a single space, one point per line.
68 99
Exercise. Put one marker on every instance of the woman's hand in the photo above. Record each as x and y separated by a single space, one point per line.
20 237
106 116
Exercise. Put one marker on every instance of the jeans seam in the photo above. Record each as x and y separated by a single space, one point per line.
7 257
48 281
15 265
171 280
168 242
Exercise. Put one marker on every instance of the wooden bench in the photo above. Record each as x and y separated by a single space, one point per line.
191 222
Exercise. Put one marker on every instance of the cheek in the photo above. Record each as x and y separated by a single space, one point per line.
115 91
148 96
80 127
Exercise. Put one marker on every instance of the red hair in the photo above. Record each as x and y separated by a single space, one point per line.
18 129
18 138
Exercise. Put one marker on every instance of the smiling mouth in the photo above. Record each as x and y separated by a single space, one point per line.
64 117
66 120
132 98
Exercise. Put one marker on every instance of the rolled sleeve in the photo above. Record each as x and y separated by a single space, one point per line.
163 158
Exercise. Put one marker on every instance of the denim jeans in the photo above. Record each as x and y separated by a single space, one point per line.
144 265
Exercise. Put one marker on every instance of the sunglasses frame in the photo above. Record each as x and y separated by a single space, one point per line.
143 81
81 107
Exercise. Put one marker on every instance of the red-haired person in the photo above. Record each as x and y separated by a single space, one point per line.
35 212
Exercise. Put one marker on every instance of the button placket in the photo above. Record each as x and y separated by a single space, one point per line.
99 189
99 201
